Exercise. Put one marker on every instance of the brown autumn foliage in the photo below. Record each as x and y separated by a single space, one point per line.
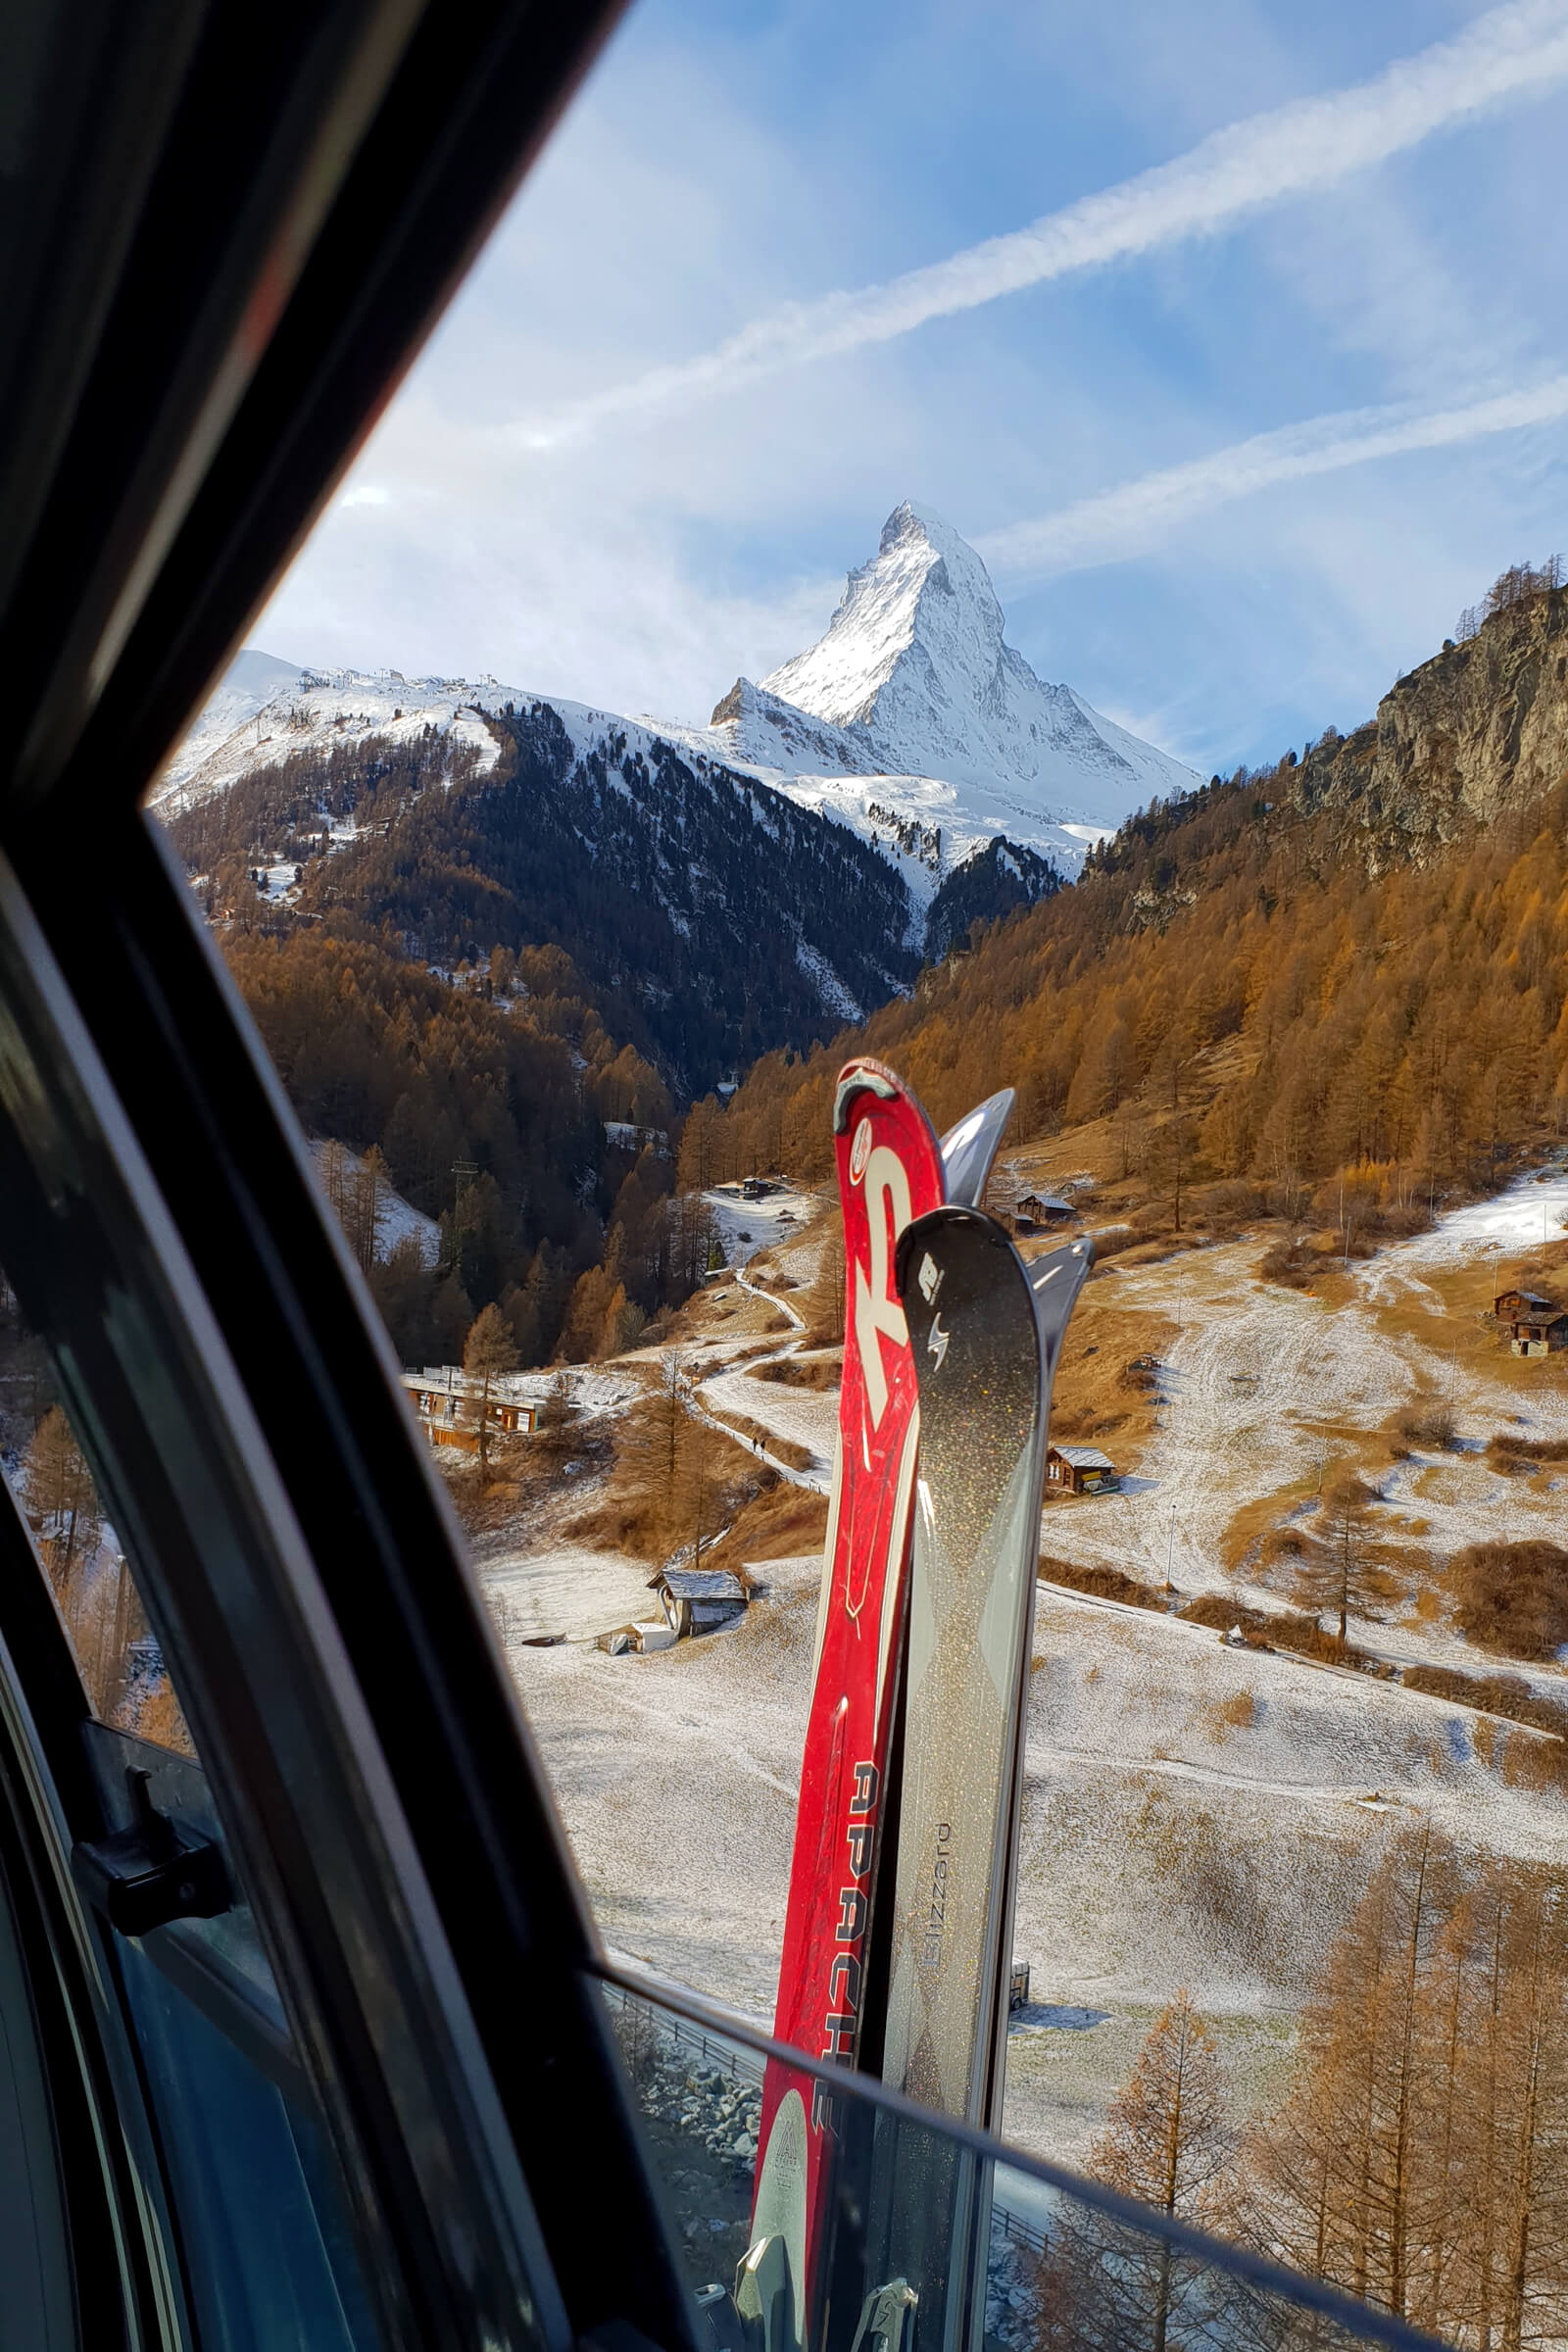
675 1481
803 1371
1291 1265
780 1522
1169 2142
1496 1693
1104 1582
1280 1630
1420 2160
1511 1453
1428 1422
1512 1597
1360 1042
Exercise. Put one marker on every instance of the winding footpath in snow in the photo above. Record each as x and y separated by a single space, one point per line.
776 1407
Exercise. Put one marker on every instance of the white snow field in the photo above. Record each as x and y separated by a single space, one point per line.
1192 1813
565 1594
746 1227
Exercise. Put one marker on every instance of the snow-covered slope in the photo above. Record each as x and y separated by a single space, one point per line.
265 710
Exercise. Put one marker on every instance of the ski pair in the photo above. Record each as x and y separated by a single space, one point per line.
896 1181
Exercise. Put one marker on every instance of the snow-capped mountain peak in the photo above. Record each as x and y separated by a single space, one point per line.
923 602
915 677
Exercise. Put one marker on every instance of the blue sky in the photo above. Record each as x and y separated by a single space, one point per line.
1275 385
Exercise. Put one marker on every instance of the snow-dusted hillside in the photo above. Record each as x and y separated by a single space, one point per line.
265 710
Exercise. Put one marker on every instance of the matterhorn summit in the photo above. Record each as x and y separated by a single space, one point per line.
911 722
915 684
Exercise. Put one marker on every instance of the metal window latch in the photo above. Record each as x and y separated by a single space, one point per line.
156 1871
887 2317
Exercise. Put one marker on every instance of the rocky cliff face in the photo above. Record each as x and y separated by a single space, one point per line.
1477 732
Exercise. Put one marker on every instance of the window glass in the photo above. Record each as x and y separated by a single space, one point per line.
1045 471
119 1658
34 2229
263 2238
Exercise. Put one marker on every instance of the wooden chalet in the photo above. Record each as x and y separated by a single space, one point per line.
1540 1333
696 1600
448 1404
1080 1470
1514 1306
1039 1212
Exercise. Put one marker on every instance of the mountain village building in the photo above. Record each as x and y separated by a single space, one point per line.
1534 1324
1510 1307
1543 1331
697 1601
448 1404
1080 1470
1035 1212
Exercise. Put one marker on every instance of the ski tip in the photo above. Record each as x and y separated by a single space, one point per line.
1055 1281
1074 1255
862 1075
969 1149
936 1230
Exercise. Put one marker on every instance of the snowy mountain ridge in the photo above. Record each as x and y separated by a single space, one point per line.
910 720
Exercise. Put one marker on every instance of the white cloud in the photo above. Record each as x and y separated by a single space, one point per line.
1516 52
1138 515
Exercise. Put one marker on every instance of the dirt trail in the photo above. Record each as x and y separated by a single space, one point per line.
801 1416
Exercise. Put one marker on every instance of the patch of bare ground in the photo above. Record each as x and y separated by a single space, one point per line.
1261 1531
780 1523
1225 1716
1108 1382
1540 1269
523 1477
1102 1580
803 1371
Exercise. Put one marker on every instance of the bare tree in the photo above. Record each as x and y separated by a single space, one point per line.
488 1352
1169 2142
1342 1574
62 1497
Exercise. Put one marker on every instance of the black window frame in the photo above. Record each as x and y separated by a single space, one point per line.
223 233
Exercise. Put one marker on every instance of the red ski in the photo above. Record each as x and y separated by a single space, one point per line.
890 1172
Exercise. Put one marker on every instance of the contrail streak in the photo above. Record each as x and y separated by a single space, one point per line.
1515 52
1124 521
